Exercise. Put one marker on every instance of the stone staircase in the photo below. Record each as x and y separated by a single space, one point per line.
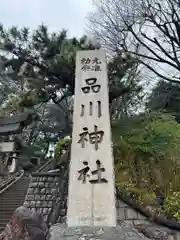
12 198
13 191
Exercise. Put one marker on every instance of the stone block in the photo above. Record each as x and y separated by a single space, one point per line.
53 198
45 218
44 204
50 179
29 197
30 191
170 237
49 210
48 197
34 179
121 204
50 203
56 179
43 197
120 214
43 190
60 232
41 184
38 203
33 185
33 204
37 197
137 222
63 212
53 191
131 214
48 190
26 204
141 217
36 191
177 236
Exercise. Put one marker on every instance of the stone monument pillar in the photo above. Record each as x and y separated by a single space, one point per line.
91 198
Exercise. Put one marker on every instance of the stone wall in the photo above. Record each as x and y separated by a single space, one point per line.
144 225
47 194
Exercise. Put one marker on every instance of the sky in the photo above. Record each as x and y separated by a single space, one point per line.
56 14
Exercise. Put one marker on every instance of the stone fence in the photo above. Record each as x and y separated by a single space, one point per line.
47 194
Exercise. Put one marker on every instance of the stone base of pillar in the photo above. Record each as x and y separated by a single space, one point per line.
124 232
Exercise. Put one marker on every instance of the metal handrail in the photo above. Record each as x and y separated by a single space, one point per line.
14 178
9 182
45 165
6 180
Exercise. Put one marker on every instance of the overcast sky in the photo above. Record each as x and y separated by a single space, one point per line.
56 14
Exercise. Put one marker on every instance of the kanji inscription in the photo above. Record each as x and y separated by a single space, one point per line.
91 192
88 64
83 173
95 137
93 106
91 86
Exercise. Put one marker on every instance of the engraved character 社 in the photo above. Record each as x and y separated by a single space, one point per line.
83 173
91 86
98 172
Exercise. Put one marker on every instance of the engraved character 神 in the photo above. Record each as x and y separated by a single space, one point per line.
83 136
96 137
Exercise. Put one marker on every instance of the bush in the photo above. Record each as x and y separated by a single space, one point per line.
61 145
146 151
141 196
172 205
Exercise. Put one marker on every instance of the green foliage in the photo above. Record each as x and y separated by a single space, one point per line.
151 135
142 196
165 96
146 150
61 145
172 205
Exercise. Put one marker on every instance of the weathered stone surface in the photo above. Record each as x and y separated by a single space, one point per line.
43 190
131 214
30 191
25 225
33 185
41 184
154 231
60 232
30 198
121 214
91 203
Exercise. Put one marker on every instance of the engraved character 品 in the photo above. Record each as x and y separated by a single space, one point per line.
91 86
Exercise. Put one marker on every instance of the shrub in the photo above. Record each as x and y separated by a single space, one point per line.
172 205
61 145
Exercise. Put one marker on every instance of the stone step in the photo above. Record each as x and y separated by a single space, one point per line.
11 199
